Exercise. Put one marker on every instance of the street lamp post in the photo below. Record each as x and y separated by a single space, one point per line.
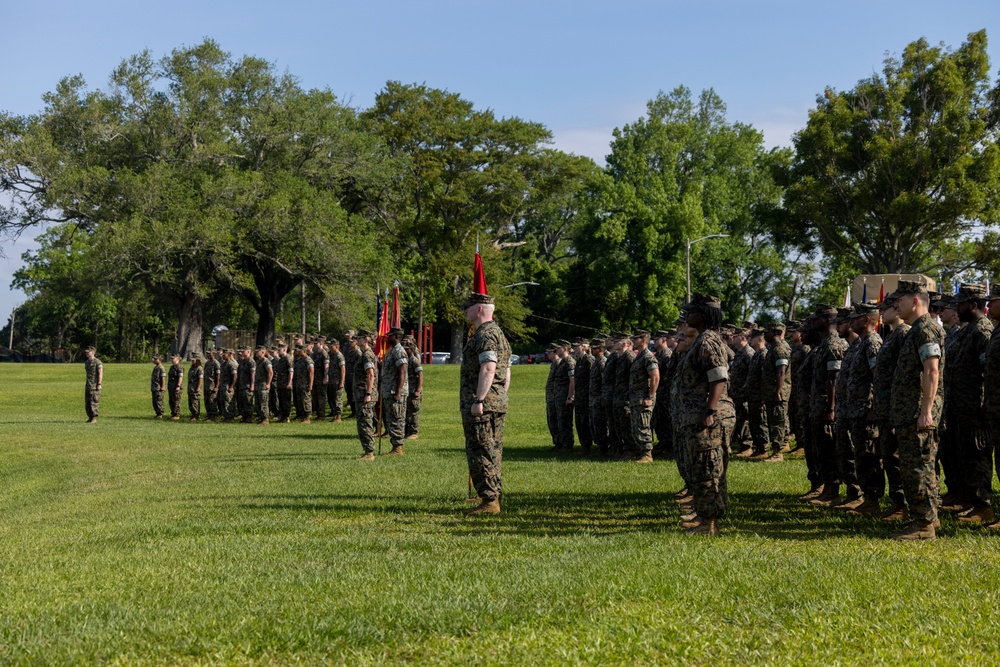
688 256
13 313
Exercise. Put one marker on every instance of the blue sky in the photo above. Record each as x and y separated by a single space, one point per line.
581 68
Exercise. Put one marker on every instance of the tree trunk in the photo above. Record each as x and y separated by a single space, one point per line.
457 342
189 326
270 293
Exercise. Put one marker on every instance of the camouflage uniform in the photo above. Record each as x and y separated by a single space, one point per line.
213 371
885 368
394 411
228 389
738 392
754 393
282 367
623 411
91 390
321 365
156 387
414 370
598 418
351 358
565 371
803 397
484 434
365 405
608 375
963 411
991 389
661 409
334 387
638 391
795 360
262 388
175 383
861 421
948 449
581 401
682 453
196 376
244 388
778 357
706 362
550 403
828 358
300 385
917 449
846 462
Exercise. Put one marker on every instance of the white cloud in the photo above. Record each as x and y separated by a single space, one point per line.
594 142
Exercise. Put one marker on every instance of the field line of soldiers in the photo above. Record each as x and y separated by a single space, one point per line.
867 413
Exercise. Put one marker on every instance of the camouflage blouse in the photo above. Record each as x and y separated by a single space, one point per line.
195 377
778 355
487 344
560 383
705 363
597 379
622 371
608 374
638 382
393 368
364 361
885 366
925 340
966 358
175 377
862 376
212 372
583 368
738 372
753 390
991 380
828 357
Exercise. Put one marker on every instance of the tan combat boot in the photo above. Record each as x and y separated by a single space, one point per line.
367 456
744 453
916 530
895 513
413 436
869 506
830 496
983 515
776 457
708 527
264 422
485 507
647 457
854 499
397 450
814 491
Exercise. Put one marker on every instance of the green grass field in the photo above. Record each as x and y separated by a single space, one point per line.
134 541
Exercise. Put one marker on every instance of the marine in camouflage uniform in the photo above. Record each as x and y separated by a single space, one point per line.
303 371
213 371
846 461
860 418
608 375
415 380
365 391
264 376
915 415
94 370
753 390
550 399
963 407
351 356
321 376
644 377
661 408
282 381
828 358
157 385
706 415
598 419
581 400
622 409
738 372
776 388
196 380
563 395
795 362
991 379
227 390
682 454
885 368
486 352
244 386
335 385
949 457
395 390
175 384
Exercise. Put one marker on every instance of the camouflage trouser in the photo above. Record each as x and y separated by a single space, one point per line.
758 425
824 451
319 399
846 464
741 429
661 422
804 439
867 457
614 439
349 390
564 423
366 426
194 404
976 446
917 453
642 432
226 403
777 425
303 402
551 419
246 403
263 404
623 424
412 415
484 451
682 455
212 404
791 412
949 456
888 447
581 416
394 419
174 396
158 403
599 424
709 460
272 399
284 410
335 399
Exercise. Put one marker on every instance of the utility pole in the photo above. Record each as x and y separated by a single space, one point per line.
13 314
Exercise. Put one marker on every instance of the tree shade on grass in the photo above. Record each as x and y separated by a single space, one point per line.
134 541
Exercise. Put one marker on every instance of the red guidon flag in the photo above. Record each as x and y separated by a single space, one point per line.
478 277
